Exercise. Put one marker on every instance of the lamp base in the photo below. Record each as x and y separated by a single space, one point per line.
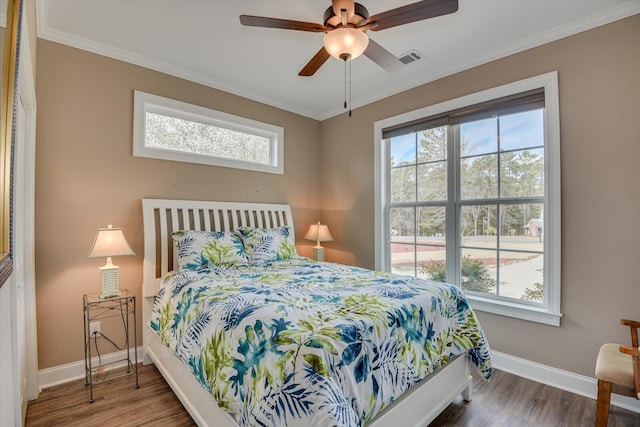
110 281
111 295
318 254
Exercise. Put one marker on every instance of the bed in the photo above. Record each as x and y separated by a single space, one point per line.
306 365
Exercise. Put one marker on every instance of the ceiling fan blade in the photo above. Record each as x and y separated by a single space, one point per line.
368 26
315 63
382 57
413 12
283 24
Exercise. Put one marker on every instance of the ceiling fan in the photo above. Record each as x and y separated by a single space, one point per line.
345 25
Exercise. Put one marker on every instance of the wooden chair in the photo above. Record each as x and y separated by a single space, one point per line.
617 370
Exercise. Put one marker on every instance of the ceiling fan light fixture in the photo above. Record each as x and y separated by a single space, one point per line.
345 43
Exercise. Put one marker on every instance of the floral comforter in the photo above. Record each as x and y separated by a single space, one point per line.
312 344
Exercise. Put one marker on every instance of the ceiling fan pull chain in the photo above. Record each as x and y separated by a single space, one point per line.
350 104
345 85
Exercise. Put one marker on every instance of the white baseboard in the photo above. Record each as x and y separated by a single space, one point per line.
75 370
564 380
558 378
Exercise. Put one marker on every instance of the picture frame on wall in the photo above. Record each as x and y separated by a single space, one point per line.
11 40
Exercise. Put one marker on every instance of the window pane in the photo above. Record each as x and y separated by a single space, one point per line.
431 225
522 173
478 270
403 259
432 181
479 177
256 148
433 145
402 224
180 135
403 149
480 137
522 130
478 226
403 184
521 275
521 227
432 263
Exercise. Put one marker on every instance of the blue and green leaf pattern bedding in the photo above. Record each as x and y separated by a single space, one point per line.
302 343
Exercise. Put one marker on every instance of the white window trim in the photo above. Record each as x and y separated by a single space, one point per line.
146 102
549 314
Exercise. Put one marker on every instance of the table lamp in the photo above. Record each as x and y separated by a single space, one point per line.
110 242
319 233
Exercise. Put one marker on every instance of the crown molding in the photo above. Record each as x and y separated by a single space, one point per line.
46 32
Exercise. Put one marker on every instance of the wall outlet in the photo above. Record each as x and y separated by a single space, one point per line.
94 328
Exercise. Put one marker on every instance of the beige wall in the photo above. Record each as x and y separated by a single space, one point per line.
599 82
86 177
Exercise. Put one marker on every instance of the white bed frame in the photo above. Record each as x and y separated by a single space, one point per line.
418 407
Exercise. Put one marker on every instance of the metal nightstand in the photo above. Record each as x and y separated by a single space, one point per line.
96 308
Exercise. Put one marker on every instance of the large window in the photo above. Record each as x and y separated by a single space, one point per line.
468 193
173 130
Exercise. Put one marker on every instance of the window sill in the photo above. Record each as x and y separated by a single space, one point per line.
518 311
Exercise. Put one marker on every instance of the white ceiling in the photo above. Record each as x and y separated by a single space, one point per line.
203 41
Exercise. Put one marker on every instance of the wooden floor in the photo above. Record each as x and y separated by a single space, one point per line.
507 400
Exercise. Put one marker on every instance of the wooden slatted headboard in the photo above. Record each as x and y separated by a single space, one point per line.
162 217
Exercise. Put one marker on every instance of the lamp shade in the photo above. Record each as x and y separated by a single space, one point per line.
319 233
110 242
345 43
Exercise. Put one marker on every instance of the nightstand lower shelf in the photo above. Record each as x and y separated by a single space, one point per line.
112 370
96 308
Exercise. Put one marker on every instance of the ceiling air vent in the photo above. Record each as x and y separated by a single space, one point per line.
411 56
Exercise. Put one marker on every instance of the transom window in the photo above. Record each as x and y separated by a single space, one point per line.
468 193
172 130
